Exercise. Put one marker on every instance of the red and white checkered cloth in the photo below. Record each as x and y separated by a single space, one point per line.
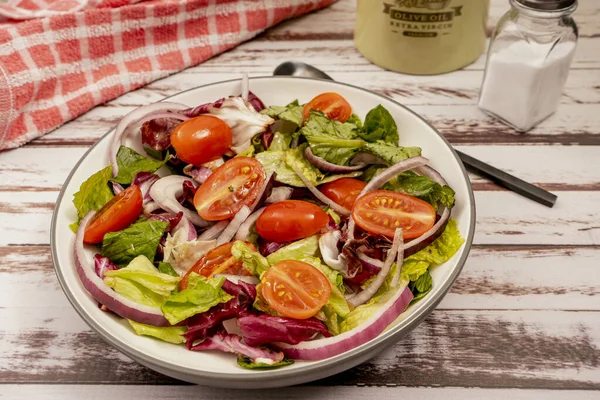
66 56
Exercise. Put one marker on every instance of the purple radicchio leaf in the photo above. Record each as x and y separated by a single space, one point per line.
261 329
103 264
230 343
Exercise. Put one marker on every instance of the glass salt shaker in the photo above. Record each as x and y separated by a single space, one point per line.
528 62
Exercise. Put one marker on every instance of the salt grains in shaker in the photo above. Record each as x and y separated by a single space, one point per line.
528 62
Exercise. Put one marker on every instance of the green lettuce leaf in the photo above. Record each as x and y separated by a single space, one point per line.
421 286
291 112
355 119
246 362
294 159
392 153
200 295
141 282
380 125
281 141
252 260
299 250
249 152
274 162
261 304
171 334
92 194
331 319
140 238
130 163
438 252
332 140
337 301
166 268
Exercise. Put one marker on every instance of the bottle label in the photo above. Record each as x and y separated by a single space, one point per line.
418 24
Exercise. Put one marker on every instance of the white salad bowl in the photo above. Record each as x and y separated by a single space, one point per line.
219 369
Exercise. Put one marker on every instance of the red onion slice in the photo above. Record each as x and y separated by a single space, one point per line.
103 294
187 229
328 245
165 192
317 193
325 165
370 290
432 174
370 264
328 347
244 231
399 264
124 126
234 225
150 207
214 231
389 173
367 159
278 194
424 240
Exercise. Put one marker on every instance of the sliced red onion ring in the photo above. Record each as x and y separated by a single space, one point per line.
187 229
156 110
263 191
432 174
328 245
325 165
350 229
165 192
234 225
370 290
399 264
244 231
278 194
320 349
145 180
367 159
389 173
425 239
103 294
214 231
116 187
317 193
245 86
150 207
370 264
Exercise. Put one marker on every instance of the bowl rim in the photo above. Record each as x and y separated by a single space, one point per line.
383 340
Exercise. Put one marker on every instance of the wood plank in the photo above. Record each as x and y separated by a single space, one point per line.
463 348
29 168
503 217
172 392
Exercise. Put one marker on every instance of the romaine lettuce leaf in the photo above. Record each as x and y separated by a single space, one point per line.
438 252
291 112
252 260
130 163
280 162
299 250
166 268
331 319
380 125
140 238
281 141
92 194
200 295
171 334
355 119
392 153
294 159
332 140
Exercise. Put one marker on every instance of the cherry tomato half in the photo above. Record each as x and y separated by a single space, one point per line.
201 139
295 289
216 261
234 184
343 191
382 211
290 220
120 212
331 104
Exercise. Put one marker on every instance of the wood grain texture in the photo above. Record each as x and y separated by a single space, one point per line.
135 392
524 313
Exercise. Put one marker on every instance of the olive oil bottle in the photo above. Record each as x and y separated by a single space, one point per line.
421 37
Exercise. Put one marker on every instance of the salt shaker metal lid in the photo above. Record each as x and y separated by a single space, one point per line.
548 5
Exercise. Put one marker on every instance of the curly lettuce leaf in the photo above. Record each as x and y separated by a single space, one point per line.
130 163
332 140
200 295
93 194
290 113
140 238
252 260
299 250
141 282
391 153
171 334
380 125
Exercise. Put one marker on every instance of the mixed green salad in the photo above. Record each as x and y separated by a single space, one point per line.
279 233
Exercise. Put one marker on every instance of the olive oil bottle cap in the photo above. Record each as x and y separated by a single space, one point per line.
547 5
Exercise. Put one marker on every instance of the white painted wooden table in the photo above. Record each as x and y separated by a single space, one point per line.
522 321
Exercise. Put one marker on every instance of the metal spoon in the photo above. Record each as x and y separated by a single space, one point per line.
296 68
